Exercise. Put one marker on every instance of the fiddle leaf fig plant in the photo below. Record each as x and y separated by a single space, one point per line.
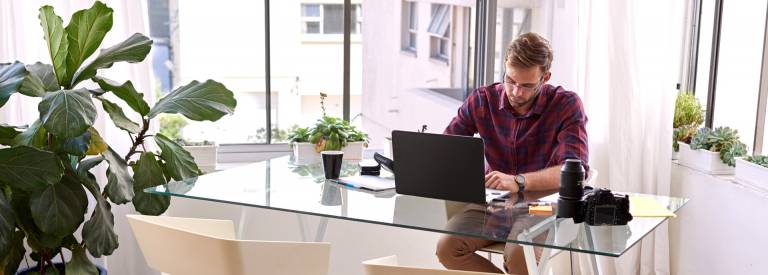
47 180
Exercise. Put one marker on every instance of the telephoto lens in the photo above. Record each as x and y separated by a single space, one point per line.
571 189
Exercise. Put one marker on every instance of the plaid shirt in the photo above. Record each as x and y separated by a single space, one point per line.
551 132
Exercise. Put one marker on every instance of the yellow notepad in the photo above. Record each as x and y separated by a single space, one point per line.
647 207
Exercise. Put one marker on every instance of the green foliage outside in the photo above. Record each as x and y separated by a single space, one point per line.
171 126
47 187
723 140
688 117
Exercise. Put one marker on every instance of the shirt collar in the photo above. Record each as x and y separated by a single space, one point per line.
539 104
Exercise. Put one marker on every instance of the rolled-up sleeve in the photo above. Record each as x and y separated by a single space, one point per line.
572 135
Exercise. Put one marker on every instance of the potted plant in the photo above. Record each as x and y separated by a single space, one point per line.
688 117
328 133
46 182
753 170
204 152
713 152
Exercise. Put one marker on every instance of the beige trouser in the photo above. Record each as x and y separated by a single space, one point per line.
458 252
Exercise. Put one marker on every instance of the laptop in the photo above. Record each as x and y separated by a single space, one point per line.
439 166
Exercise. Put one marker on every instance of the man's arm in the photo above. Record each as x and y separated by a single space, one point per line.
542 180
464 122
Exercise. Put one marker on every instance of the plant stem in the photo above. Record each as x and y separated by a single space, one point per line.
139 139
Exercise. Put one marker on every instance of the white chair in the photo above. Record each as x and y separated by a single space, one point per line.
498 248
389 266
201 246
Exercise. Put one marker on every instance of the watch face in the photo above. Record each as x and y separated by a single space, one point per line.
520 179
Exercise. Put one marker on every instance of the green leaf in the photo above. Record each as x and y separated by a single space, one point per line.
119 118
77 146
148 173
85 31
126 92
11 77
34 136
36 239
58 45
7 225
178 161
132 50
61 208
7 133
29 169
97 145
98 231
12 259
79 263
41 79
119 182
88 164
209 100
67 113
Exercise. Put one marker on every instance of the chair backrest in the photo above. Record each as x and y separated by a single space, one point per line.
388 266
201 246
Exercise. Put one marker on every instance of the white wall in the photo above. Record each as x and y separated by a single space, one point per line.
722 230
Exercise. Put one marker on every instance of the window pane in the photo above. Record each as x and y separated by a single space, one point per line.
311 27
704 58
301 71
441 19
310 10
739 66
333 19
412 40
403 91
412 22
198 48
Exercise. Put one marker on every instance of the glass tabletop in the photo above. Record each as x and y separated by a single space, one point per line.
280 185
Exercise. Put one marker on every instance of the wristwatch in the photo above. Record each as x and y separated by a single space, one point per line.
520 180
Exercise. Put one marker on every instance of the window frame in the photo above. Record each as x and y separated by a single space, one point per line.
410 29
314 19
440 40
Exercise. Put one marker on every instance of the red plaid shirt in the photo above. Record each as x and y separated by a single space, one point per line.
551 132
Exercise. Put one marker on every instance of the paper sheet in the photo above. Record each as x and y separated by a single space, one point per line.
640 206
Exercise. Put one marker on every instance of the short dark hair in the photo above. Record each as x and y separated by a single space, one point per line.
529 50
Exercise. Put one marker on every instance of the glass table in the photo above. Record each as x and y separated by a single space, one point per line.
279 185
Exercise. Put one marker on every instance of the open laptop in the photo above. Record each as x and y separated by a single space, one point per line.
441 166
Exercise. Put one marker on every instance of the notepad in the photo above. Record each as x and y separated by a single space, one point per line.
640 206
373 183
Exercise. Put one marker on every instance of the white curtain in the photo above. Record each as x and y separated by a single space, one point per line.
21 38
629 59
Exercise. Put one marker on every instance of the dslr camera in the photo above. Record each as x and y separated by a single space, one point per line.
585 204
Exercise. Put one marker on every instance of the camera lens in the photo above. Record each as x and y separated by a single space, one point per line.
571 189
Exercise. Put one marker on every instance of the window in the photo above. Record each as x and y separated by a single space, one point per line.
410 26
510 23
439 30
328 18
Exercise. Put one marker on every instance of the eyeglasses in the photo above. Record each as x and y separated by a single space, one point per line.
524 88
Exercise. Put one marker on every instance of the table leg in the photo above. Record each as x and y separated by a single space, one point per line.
591 244
319 233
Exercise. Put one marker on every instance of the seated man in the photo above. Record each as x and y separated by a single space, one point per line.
529 128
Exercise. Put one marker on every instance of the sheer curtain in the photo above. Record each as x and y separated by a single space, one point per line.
629 59
21 38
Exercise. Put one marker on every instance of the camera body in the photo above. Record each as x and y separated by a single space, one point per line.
603 207
585 204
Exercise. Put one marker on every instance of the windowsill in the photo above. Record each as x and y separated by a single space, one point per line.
408 52
439 60
329 38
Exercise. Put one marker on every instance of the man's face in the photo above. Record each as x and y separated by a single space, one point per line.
522 85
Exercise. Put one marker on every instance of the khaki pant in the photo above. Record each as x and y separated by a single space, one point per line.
458 252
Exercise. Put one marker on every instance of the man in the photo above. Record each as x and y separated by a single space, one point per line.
529 128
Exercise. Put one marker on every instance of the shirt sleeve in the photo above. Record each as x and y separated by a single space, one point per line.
572 137
464 122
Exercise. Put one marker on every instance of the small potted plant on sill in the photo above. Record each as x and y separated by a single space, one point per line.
688 117
713 152
328 133
48 190
753 170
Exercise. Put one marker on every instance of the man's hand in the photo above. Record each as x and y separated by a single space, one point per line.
501 181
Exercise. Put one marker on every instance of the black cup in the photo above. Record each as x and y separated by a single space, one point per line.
332 163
